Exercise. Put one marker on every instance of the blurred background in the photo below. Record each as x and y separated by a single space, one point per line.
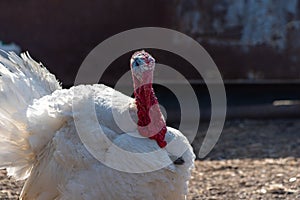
254 43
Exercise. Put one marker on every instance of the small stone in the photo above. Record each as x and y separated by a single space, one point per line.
263 191
293 179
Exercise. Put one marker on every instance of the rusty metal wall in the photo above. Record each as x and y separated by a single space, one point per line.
61 33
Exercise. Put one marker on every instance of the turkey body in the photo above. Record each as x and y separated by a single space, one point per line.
40 140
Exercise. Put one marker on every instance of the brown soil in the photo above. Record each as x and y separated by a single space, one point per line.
252 160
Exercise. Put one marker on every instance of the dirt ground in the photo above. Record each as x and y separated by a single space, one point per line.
254 159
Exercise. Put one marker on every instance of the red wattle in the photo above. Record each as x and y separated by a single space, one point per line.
145 99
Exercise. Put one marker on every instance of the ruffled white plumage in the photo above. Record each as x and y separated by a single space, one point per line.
39 140
22 80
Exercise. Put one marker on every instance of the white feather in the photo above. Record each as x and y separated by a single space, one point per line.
21 81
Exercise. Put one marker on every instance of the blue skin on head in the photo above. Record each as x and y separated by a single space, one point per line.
137 62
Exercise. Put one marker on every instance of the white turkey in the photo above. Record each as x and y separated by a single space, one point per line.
69 148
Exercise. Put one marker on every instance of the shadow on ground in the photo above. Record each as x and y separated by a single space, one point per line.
254 139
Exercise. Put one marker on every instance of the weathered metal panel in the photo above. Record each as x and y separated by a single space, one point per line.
250 41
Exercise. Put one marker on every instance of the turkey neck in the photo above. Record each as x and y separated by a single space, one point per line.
151 123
